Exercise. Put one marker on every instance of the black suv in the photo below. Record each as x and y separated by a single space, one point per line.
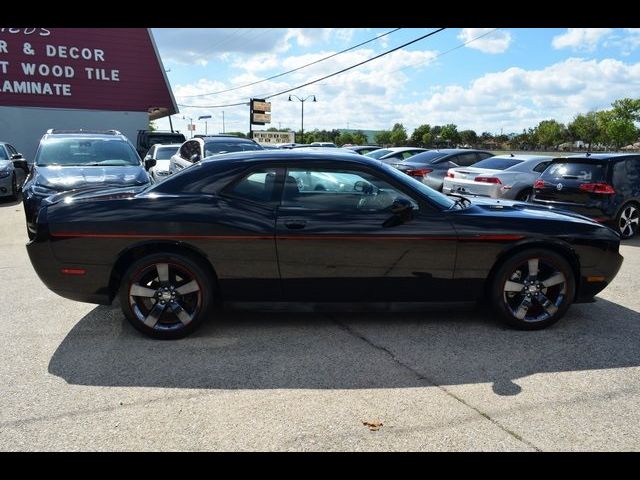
80 159
148 138
603 186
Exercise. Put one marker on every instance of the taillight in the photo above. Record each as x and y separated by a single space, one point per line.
421 172
598 187
538 184
450 175
487 179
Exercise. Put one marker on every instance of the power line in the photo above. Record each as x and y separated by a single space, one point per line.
326 76
291 71
356 65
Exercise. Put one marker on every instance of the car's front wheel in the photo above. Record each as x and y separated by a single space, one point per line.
166 296
533 289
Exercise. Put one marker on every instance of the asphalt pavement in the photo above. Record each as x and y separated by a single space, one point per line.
76 376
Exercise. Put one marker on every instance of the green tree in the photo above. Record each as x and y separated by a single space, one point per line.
152 126
344 138
450 134
627 109
398 135
585 127
550 133
359 138
383 137
421 136
616 128
468 137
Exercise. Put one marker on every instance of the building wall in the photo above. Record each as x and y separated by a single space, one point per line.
23 127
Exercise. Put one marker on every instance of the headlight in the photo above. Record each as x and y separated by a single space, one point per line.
5 173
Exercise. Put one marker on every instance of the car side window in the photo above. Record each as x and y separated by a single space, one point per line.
541 167
407 154
256 186
466 159
339 190
3 153
484 156
626 176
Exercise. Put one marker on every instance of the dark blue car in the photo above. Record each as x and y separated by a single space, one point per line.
79 160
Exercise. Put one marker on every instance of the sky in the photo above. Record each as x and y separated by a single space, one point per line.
486 79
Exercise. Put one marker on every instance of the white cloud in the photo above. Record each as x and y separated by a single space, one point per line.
496 42
580 38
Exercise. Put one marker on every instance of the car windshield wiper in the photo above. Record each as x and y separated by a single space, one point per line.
460 200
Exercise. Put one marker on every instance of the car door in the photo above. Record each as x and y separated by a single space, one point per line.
338 239
183 159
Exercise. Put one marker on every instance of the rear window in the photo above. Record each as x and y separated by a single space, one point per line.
586 171
494 163
378 153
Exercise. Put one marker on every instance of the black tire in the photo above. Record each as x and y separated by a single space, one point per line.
524 195
169 313
14 187
535 306
627 220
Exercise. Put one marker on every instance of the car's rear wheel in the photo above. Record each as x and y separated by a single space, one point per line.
628 220
524 195
533 289
166 296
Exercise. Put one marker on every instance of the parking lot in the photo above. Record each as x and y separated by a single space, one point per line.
76 376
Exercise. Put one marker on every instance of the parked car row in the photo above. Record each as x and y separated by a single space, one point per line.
14 169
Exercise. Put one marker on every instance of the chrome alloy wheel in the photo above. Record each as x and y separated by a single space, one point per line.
165 296
535 290
628 224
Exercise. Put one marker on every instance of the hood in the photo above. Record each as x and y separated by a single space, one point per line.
517 209
72 178
96 193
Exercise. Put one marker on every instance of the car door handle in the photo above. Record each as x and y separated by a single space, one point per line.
295 224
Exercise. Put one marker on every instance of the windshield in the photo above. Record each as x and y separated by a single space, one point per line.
165 153
496 163
86 152
378 153
588 171
435 196
214 148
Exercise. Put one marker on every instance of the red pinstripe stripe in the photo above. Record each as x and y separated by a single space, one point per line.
479 238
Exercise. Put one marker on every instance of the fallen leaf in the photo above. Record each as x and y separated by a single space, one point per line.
374 426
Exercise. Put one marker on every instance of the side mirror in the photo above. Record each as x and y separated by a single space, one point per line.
195 158
401 205
149 162
402 212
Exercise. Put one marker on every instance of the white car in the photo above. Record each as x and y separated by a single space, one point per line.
502 176
162 155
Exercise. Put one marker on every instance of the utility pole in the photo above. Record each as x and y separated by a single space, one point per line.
302 100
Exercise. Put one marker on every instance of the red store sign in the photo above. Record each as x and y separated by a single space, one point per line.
85 68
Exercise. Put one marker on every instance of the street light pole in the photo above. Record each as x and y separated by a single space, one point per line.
302 100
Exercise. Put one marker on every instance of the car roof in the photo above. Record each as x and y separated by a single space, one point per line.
87 134
225 138
524 158
598 156
279 155
163 145
402 149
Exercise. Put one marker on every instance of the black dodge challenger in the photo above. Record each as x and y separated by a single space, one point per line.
312 226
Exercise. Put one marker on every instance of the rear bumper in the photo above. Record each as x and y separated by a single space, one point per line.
595 279
601 213
90 287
